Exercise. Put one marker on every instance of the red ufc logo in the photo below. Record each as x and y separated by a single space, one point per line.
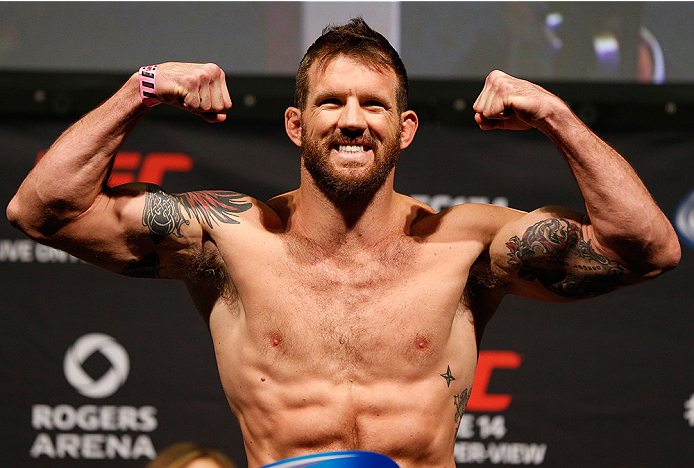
130 166
480 400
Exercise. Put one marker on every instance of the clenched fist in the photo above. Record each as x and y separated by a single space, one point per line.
514 104
197 88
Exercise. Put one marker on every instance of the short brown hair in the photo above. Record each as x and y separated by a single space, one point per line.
354 39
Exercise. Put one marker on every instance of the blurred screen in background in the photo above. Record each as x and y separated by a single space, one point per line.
644 42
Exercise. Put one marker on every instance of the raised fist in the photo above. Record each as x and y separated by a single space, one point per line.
197 88
511 103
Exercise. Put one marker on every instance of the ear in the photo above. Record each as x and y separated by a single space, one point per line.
410 122
292 124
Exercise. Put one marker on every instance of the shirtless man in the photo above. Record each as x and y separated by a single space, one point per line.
346 316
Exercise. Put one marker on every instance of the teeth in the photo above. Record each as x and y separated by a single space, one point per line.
351 148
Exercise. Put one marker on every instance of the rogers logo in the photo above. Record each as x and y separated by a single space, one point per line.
90 431
111 380
684 219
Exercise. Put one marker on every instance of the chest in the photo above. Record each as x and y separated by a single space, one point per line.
397 299
387 279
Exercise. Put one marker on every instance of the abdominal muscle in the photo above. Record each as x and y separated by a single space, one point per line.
392 418
347 350
297 390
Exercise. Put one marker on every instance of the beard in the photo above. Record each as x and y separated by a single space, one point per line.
358 184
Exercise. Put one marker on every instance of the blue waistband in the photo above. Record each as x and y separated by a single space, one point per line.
349 459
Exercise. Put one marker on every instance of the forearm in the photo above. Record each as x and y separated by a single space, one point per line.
624 218
72 173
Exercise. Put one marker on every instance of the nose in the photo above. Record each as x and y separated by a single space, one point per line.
352 123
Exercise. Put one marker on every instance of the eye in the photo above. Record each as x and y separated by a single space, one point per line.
374 103
330 102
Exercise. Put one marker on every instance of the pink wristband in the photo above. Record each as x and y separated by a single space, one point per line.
147 91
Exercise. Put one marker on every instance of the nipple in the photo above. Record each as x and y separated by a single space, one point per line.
421 343
275 340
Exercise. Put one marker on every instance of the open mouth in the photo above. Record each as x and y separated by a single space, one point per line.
352 148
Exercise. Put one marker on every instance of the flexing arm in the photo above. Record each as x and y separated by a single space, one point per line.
625 238
64 201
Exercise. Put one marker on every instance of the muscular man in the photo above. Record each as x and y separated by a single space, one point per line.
346 316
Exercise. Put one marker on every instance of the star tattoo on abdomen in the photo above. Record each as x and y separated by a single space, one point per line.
448 376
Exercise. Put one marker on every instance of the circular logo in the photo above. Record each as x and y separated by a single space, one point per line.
111 380
684 219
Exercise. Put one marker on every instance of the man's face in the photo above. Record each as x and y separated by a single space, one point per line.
351 127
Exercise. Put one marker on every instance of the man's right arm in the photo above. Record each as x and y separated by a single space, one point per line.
64 201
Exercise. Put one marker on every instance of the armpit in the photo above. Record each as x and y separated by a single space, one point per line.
484 290
210 272
554 252
481 281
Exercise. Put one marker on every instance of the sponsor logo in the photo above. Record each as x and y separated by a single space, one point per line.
111 380
480 400
684 219
28 251
131 166
482 437
64 439
91 431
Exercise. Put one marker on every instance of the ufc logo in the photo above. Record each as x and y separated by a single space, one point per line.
131 166
480 400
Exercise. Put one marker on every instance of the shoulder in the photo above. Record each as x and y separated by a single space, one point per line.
214 209
234 229
467 221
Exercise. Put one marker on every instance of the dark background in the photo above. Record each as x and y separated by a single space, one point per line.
602 383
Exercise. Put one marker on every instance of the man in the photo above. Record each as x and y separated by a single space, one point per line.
346 316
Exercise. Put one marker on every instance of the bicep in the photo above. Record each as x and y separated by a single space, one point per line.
136 230
549 254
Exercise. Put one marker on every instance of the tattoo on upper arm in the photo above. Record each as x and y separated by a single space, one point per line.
214 206
165 214
162 214
148 267
554 252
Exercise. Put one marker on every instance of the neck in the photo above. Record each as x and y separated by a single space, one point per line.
327 219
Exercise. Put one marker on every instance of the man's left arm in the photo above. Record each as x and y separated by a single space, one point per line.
625 237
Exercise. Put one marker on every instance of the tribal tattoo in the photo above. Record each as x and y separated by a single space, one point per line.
554 252
214 206
162 214
165 214
460 401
